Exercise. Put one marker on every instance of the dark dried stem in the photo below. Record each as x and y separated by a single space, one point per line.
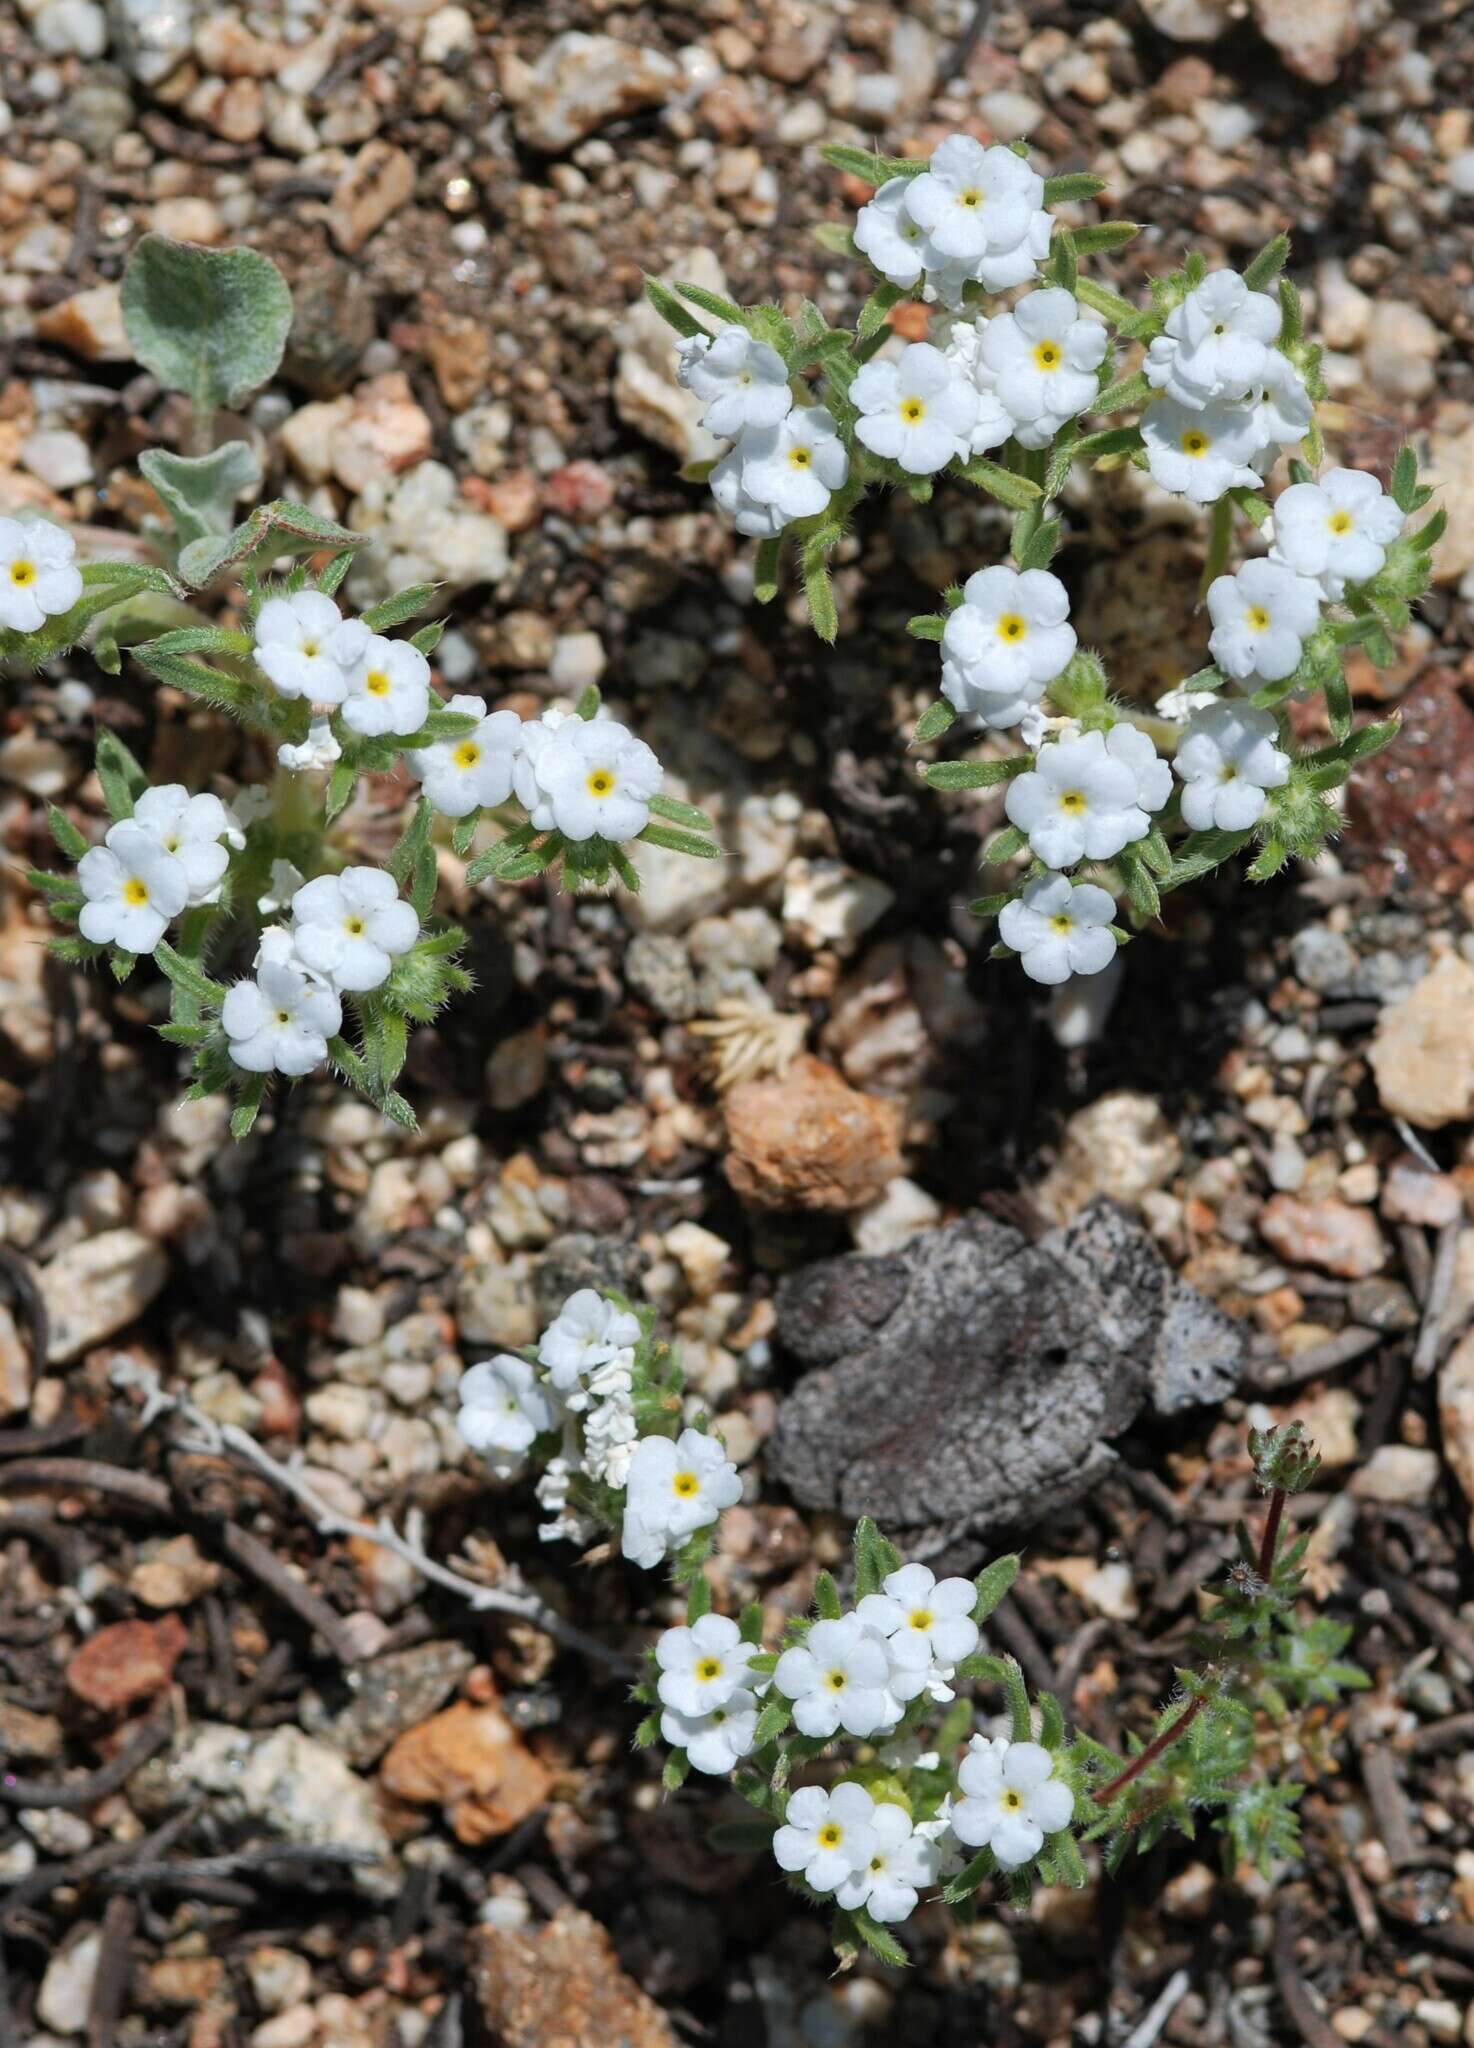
1271 1539
1104 1794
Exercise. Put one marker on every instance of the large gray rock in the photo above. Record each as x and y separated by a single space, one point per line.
969 1382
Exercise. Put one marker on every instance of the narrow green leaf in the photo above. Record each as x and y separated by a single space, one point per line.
933 722
698 1600
819 593
826 1597
677 813
382 618
670 309
1125 395
680 842
1262 271
872 313
993 1583
713 303
248 1106
767 570
1072 185
68 839
926 626
974 774
865 164
123 780
1110 305
1104 236
1018 492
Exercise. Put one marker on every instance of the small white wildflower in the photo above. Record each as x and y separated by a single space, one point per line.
597 778
829 1836
1284 412
899 1866
715 1742
191 828
950 1854
587 1331
1216 344
503 1410
280 1022
319 750
1199 453
703 1665
39 577
748 514
963 346
744 382
350 928
1261 616
1337 530
1008 638
919 410
461 775
1012 1800
674 1489
285 881
1042 359
387 681
610 1428
796 466
133 890
1227 760
1082 800
838 1678
536 734
294 646
1059 928
980 207
894 243
927 1627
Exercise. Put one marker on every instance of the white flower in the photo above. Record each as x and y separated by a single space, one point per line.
610 1428
133 889
963 345
1082 798
1009 637
1201 453
950 1854
1216 344
980 207
1284 412
703 1665
895 244
294 637
795 466
1337 530
919 410
598 778
280 1022
837 1678
536 734
829 1836
758 521
923 1620
1042 359
673 1490
1261 616
39 576
900 1864
461 775
285 881
1227 759
1012 1800
1059 928
714 1742
744 381
319 750
388 682
349 928
588 1331
503 1410
191 828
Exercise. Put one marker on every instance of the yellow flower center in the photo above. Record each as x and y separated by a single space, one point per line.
1228 772
830 1835
22 573
309 647
835 1680
1072 800
376 683
1013 1800
877 1863
467 754
1047 355
1195 442
600 782
800 458
709 1667
283 1016
1340 522
1011 627
971 195
1256 618
685 1484
1061 922
135 892
921 1617
354 927
912 410
171 845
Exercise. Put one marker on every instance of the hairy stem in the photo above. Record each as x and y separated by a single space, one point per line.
1104 1794
1270 1541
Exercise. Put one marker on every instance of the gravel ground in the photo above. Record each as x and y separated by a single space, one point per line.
263 1784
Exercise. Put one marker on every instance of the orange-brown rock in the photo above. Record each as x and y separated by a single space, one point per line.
131 1660
807 1140
561 1987
473 1762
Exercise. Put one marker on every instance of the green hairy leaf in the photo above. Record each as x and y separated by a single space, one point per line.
933 721
272 530
199 492
209 322
670 309
1072 185
864 163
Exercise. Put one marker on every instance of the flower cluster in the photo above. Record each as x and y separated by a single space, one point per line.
1035 369
973 215
787 460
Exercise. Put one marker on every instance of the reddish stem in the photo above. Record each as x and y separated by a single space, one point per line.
1103 1794
1269 1543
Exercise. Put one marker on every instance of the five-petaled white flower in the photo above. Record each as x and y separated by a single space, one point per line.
1042 359
674 1489
837 1678
1009 637
191 828
280 1022
1261 616
462 774
349 928
981 207
504 1408
1337 530
1199 453
715 1742
703 1665
898 1866
295 639
1012 1800
1284 412
387 681
133 889
919 410
587 1331
747 513
1082 800
1216 344
895 244
925 1621
39 576
598 778
744 382
1227 760
795 466
829 1836
1059 928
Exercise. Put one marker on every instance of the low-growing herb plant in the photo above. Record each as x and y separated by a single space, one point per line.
329 963
855 1740
1002 400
